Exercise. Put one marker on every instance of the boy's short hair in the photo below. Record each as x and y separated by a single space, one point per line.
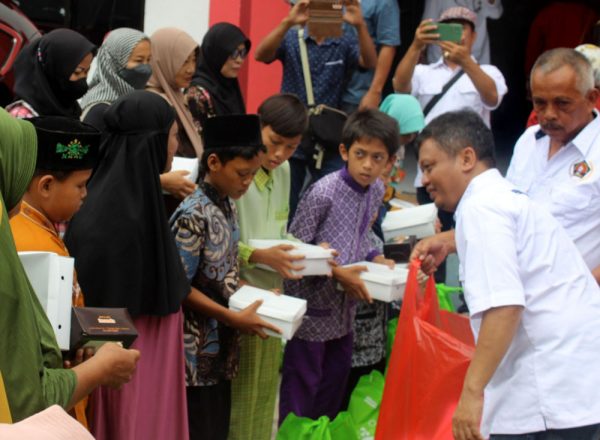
225 154
59 175
371 124
285 114
457 130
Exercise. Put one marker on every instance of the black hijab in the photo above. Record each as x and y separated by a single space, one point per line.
125 254
43 68
218 44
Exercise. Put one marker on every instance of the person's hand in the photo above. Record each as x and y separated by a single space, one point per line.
352 14
380 259
371 99
280 259
425 34
118 364
467 417
431 251
81 355
299 14
349 278
247 321
176 184
455 53
438 225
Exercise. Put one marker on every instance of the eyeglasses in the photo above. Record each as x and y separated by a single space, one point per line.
239 53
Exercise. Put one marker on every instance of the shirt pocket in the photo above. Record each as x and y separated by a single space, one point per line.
573 205
469 96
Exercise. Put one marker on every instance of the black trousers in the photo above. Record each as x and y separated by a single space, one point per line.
209 411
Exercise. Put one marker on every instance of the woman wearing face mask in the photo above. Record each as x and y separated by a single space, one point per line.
122 66
173 62
215 89
50 75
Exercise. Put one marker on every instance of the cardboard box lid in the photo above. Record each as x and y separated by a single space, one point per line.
408 217
308 251
286 308
381 274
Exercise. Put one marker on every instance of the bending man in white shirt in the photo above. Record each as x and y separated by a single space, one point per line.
534 305
556 162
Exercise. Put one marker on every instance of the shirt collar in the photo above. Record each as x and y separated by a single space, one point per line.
353 184
263 179
483 180
585 138
440 63
326 42
37 217
212 193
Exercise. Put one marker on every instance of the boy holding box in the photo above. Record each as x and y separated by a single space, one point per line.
263 214
337 210
206 233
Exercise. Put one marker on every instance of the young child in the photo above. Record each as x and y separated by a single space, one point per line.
337 210
67 153
263 213
207 233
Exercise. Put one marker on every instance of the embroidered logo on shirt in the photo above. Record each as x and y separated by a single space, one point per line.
580 169
74 150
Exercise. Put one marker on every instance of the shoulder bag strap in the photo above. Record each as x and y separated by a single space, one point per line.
440 95
310 97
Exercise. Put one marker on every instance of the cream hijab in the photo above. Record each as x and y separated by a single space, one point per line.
170 49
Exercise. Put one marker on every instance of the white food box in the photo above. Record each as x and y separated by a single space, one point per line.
383 283
285 312
419 221
51 277
191 164
315 262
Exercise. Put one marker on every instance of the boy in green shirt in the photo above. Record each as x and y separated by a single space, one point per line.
263 214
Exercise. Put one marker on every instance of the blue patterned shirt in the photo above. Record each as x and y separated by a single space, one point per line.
207 234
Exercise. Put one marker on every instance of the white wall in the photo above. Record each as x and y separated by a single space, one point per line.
190 15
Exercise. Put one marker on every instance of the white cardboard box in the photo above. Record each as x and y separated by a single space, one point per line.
315 262
51 277
383 283
286 312
419 221
187 164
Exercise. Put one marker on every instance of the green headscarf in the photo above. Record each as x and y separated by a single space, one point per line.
406 110
30 360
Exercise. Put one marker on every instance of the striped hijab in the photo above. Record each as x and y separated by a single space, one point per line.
106 84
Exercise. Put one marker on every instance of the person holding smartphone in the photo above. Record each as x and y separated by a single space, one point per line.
454 82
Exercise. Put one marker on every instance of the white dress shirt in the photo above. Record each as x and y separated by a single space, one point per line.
513 252
567 185
429 79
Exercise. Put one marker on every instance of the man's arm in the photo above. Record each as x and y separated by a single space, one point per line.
354 17
433 250
498 328
267 49
406 68
596 273
385 59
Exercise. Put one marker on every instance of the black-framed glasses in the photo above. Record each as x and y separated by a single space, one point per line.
239 53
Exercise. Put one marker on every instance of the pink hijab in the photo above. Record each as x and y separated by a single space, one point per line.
170 49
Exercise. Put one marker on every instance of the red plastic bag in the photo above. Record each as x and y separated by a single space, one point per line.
431 354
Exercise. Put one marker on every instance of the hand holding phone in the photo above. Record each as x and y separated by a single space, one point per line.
448 32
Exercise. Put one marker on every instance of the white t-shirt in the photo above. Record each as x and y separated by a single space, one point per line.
567 185
429 79
483 9
513 252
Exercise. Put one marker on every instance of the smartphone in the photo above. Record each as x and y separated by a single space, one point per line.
448 32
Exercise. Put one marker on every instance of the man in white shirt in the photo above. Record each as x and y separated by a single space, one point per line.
556 162
534 305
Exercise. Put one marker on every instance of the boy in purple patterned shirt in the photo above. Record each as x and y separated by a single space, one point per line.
339 210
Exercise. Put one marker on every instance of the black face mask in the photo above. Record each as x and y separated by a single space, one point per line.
71 91
138 76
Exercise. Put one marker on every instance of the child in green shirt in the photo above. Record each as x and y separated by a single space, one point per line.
263 214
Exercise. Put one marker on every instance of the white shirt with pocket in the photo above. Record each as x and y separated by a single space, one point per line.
429 79
513 252
567 185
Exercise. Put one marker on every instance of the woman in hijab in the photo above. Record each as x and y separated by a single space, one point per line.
174 55
31 362
122 66
50 75
125 256
215 89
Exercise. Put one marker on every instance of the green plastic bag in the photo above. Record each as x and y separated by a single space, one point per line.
303 428
364 404
444 294
343 427
391 334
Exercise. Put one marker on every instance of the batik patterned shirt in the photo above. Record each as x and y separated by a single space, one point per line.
338 211
207 234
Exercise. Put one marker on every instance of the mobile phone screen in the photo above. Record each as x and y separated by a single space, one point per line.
448 31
